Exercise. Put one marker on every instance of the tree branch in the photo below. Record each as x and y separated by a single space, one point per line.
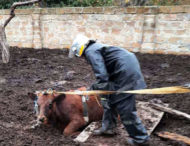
16 4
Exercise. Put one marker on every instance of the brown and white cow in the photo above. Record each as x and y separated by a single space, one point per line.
66 112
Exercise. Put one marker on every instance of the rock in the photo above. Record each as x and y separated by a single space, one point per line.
2 80
165 65
69 75
38 80
58 83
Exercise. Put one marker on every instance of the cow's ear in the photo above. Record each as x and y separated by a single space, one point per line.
32 96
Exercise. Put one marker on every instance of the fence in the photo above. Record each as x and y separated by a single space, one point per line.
138 29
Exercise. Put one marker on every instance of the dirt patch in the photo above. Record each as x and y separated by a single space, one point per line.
31 70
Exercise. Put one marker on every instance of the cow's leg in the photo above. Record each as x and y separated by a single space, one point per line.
73 126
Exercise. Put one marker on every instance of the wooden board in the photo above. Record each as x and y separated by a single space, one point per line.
150 117
83 136
171 111
174 136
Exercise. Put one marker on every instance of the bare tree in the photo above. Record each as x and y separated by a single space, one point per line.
3 41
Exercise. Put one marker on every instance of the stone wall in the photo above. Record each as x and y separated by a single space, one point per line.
139 29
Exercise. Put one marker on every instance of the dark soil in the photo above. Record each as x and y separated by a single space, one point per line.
30 70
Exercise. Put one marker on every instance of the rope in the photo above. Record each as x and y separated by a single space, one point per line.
163 90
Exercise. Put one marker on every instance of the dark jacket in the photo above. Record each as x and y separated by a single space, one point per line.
115 69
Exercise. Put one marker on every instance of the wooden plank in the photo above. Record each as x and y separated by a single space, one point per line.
170 110
150 117
84 135
174 136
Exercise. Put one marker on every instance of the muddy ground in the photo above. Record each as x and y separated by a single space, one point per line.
30 70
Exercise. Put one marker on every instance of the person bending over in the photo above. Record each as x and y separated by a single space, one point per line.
115 69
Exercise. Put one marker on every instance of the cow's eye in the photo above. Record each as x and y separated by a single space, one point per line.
50 106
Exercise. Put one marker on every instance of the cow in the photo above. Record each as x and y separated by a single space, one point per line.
67 112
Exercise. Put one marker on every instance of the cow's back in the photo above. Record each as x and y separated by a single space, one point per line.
72 106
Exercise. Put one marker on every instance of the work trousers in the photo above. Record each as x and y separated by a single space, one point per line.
127 111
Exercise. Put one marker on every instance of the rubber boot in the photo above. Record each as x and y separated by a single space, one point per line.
133 142
108 121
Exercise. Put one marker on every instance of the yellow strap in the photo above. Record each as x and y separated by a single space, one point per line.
164 90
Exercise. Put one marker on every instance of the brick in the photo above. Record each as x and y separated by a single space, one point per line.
88 10
151 10
174 40
120 10
177 9
27 44
105 30
116 31
78 10
109 10
131 17
148 36
36 27
161 39
187 9
68 10
37 45
37 40
181 32
170 17
25 23
131 24
131 10
51 35
81 29
9 33
164 9
46 29
19 44
186 40
4 12
140 10
66 46
149 25
98 10
44 11
159 51
136 45
23 11
147 48
36 10
35 16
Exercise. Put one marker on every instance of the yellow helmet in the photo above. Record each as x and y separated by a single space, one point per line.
79 45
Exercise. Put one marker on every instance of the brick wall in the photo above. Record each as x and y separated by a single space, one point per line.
138 29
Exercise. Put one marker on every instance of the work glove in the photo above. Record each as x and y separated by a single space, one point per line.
102 86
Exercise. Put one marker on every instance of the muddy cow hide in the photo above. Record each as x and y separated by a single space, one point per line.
65 111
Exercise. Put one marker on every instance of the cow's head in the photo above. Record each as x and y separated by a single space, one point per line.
43 104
